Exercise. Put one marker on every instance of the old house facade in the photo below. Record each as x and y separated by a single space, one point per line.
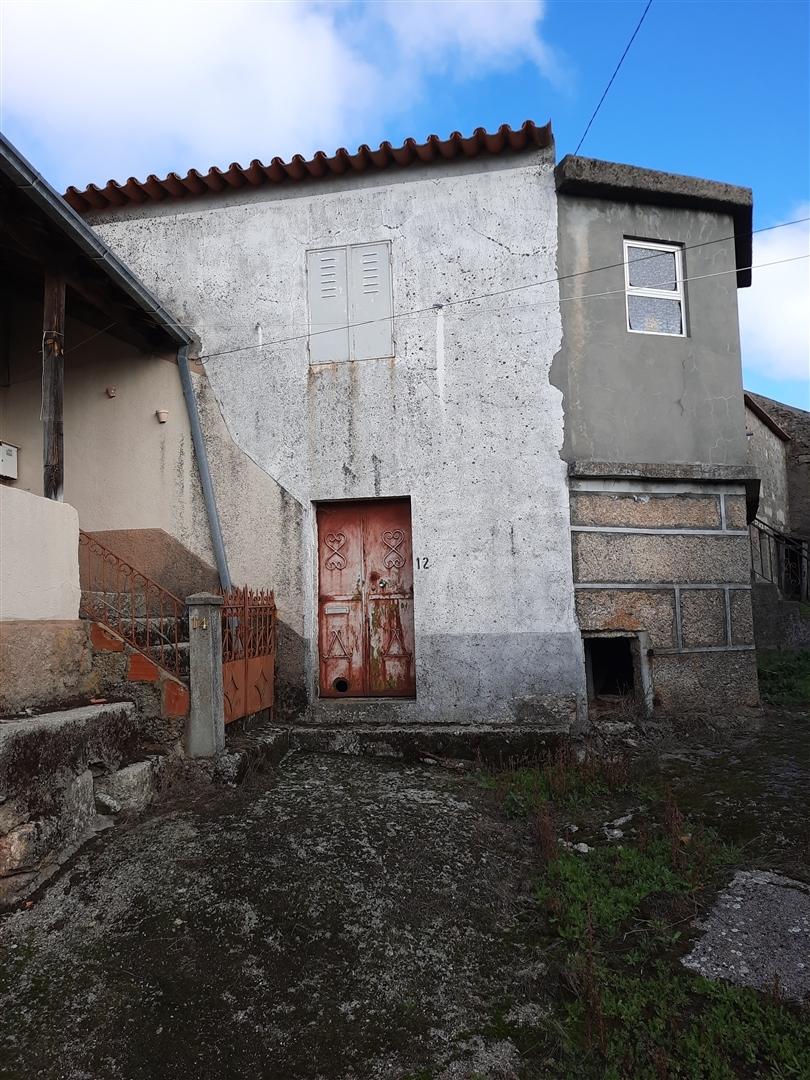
482 494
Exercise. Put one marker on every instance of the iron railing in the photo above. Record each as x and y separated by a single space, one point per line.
781 559
144 614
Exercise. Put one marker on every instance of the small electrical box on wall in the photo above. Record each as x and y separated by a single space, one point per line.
8 461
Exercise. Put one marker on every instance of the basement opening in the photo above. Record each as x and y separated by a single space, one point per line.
610 667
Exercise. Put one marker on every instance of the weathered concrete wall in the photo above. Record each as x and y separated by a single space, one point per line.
672 561
767 454
39 557
462 419
635 397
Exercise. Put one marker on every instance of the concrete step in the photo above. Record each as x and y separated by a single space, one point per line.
453 746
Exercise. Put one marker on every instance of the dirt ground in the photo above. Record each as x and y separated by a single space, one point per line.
345 918
340 917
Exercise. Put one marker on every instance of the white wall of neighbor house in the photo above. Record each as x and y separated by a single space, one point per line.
461 417
39 557
124 469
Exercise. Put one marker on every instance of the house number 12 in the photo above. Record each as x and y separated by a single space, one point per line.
423 563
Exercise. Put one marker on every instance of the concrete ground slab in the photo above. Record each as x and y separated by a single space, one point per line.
758 934
342 918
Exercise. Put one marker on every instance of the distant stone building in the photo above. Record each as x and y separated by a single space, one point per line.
779 451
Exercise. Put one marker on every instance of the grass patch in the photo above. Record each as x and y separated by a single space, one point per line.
567 778
667 1023
784 676
603 889
619 917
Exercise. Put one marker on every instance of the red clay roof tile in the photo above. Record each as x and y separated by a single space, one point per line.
529 136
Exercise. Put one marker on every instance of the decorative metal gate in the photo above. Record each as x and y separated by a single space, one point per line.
248 651
365 599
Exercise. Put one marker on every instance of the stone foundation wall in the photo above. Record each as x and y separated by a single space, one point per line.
671 560
56 665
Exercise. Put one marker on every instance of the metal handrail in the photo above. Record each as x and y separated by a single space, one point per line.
147 616
781 559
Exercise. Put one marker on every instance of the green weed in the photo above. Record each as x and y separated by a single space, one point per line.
569 779
784 676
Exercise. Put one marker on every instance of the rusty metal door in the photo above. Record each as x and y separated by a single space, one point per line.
365 601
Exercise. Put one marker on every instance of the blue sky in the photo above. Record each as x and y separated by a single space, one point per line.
720 90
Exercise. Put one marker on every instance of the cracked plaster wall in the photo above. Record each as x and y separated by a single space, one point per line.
463 418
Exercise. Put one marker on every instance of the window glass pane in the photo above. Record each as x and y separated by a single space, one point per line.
651 269
654 315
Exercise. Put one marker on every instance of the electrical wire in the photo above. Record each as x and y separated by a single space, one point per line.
613 76
499 292
471 299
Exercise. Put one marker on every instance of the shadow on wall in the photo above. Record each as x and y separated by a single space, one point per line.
162 558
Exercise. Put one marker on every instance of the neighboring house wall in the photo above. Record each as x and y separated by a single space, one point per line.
123 469
39 556
655 438
462 419
134 480
767 454
796 424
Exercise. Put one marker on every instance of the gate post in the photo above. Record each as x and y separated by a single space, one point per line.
205 733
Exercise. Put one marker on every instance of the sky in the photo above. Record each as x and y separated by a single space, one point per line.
93 90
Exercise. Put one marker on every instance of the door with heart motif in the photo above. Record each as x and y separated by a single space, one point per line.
365 599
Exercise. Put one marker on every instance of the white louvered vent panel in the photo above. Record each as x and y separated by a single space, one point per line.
370 301
327 286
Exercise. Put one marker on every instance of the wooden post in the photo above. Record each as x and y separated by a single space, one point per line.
53 378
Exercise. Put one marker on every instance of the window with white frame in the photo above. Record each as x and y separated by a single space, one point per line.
350 303
654 288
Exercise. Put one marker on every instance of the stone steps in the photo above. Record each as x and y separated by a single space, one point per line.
454 745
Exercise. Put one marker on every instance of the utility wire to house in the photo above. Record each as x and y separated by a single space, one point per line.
613 76
519 288
489 295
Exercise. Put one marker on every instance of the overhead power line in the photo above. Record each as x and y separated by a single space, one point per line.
513 289
613 76
478 296
482 296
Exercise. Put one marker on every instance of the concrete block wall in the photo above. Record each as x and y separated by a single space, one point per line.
670 560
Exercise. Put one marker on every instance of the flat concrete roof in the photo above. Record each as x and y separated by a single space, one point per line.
628 183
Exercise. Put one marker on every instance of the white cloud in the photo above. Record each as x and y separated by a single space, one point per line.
775 311
113 88
475 36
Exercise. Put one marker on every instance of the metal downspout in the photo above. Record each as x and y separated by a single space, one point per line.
202 466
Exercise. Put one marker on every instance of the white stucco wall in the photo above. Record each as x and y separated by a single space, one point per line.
39 557
463 419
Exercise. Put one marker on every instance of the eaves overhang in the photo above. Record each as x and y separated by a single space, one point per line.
18 173
589 177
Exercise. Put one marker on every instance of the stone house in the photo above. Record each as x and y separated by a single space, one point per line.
779 452
476 417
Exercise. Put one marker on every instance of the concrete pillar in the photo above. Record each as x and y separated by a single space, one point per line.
205 732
